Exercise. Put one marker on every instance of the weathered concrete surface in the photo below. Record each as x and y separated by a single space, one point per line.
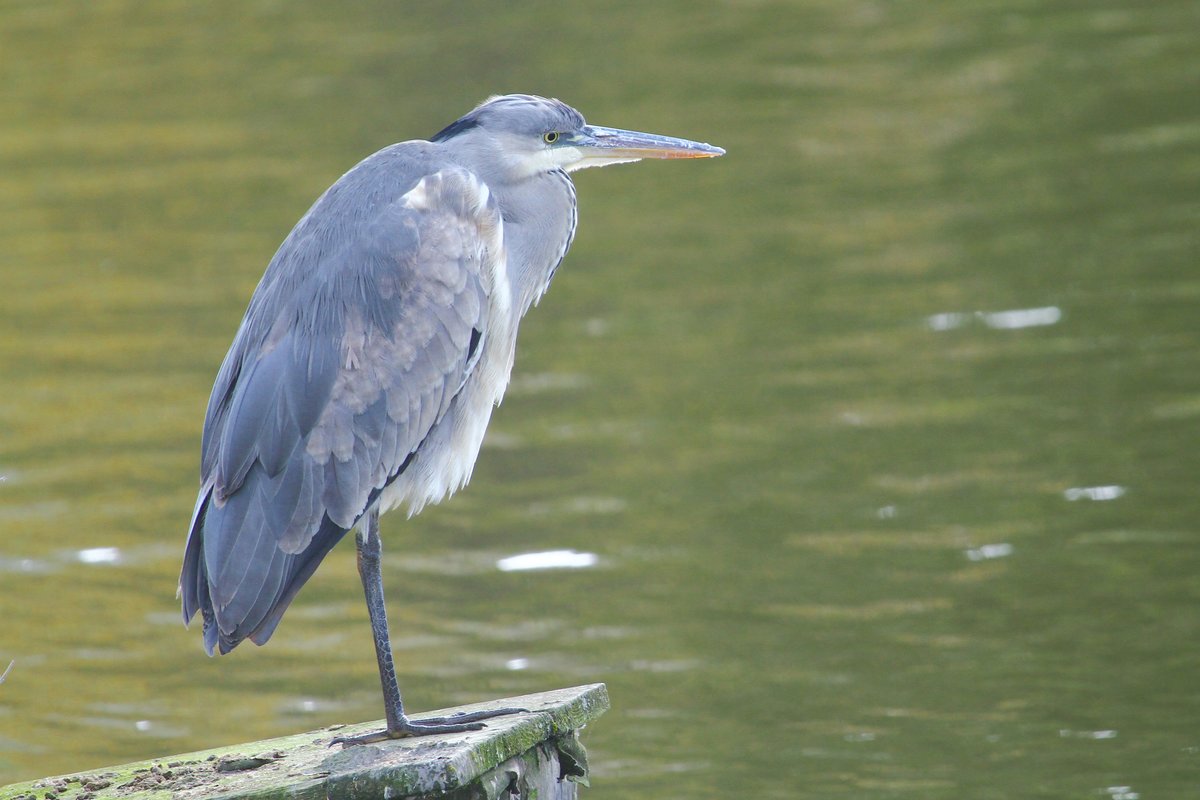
532 754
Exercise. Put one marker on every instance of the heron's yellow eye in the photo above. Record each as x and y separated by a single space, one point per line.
550 137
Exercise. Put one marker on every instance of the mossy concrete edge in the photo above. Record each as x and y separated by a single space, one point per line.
302 766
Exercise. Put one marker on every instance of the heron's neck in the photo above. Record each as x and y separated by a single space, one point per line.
539 224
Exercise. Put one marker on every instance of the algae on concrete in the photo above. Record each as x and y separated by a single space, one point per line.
531 754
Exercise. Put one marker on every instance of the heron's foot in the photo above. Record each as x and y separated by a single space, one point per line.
429 726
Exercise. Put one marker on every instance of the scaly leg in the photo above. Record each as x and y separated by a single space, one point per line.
399 726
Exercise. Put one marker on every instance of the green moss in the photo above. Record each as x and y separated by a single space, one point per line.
302 766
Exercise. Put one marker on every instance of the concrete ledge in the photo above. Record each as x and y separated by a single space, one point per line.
534 754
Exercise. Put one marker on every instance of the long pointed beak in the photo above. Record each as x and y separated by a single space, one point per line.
600 146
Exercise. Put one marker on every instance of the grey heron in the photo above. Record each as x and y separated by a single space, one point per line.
366 368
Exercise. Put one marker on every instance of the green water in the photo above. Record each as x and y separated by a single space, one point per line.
860 532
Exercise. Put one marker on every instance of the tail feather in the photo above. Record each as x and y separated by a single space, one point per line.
329 535
236 575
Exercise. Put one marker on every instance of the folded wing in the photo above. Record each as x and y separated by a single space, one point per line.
363 332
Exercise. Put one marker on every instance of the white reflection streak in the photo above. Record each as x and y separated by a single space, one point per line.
99 555
948 321
1067 733
549 559
1022 318
990 551
1094 493
1013 319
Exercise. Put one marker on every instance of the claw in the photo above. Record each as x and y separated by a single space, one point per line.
429 726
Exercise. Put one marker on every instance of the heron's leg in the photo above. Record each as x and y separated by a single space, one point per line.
370 549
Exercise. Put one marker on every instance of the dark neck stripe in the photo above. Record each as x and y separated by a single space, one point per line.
455 128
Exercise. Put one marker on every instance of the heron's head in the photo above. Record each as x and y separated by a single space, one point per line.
525 135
